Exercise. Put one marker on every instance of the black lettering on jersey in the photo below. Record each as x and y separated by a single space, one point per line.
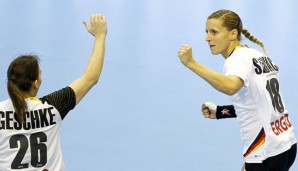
27 125
34 119
43 117
8 119
273 67
2 122
264 65
17 125
258 68
7 122
52 122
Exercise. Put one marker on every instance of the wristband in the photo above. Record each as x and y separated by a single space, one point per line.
223 112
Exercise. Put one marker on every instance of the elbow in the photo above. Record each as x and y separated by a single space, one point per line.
232 88
92 80
230 91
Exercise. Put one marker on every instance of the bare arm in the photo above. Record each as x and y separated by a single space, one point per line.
226 84
83 84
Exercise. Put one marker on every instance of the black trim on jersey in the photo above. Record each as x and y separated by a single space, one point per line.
63 100
227 111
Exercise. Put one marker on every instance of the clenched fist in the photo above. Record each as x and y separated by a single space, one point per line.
185 54
209 110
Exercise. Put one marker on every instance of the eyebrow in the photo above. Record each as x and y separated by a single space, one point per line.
213 30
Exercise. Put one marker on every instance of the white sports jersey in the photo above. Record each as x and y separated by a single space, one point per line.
35 144
265 127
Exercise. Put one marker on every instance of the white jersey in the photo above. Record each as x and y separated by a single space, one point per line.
265 127
35 144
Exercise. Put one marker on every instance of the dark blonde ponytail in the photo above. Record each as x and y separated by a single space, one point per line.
21 74
17 100
253 39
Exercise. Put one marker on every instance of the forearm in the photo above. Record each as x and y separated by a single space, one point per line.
95 63
92 71
83 84
220 82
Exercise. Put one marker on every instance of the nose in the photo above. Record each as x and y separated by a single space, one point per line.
207 38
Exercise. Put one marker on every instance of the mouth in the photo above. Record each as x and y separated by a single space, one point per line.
211 46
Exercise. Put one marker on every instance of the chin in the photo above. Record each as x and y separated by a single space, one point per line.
214 53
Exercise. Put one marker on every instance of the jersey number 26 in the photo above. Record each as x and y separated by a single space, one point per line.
38 150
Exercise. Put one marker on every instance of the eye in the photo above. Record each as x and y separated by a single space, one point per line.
214 32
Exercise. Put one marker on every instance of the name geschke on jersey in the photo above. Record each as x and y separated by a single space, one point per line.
34 119
34 145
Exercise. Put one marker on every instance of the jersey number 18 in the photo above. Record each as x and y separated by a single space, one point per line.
272 87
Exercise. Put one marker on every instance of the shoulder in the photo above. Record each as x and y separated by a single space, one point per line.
6 104
244 55
63 100
62 94
248 52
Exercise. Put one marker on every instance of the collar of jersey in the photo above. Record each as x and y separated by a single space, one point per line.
34 99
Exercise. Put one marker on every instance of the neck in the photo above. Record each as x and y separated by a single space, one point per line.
231 49
29 94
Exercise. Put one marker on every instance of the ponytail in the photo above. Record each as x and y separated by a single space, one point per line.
17 100
21 74
253 39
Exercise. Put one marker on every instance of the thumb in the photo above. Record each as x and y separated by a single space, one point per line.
210 106
88 27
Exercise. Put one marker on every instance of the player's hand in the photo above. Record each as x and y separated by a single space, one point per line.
97 26
209 110
185 54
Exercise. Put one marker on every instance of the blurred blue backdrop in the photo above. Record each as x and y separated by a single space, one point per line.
144 114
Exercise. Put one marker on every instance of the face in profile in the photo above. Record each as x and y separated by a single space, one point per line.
218 37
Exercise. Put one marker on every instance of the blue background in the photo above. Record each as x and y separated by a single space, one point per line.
144 114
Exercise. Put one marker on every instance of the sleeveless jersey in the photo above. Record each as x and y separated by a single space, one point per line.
35 144
265 126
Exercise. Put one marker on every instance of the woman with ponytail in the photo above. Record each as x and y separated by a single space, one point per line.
30 126
23 79
251 80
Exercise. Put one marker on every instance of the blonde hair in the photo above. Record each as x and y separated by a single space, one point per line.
231 21
253 39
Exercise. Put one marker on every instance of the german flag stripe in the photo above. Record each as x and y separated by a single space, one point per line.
258 142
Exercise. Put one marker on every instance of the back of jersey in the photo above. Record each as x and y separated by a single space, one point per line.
278 128
34 144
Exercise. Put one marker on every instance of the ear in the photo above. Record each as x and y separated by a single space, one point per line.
233 34
36 84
